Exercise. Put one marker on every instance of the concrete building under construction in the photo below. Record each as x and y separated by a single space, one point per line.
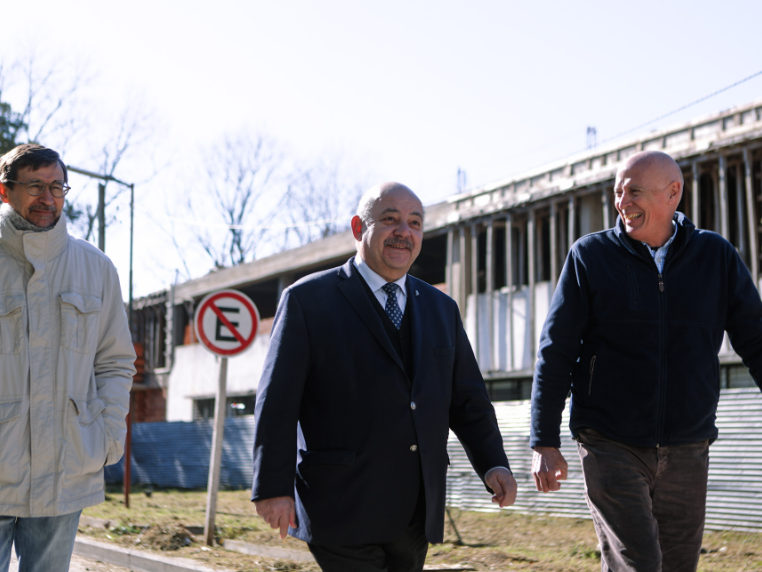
497 250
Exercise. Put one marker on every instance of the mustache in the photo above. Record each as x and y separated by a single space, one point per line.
395 241
45 208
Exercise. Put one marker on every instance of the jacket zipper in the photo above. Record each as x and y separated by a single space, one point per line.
662 329
592 367
661 398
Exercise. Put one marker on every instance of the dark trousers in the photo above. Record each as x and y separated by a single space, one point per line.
406 554
648 503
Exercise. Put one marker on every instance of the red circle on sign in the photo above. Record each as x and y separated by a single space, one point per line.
206 306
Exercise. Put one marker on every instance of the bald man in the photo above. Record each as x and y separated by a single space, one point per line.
367 370
633 331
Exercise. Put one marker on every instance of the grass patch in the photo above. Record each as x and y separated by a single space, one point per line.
492 541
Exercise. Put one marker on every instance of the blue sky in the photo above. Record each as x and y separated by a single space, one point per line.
407 91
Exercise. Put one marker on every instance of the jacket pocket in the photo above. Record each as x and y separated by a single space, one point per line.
86 442
10 441
11 307
79 321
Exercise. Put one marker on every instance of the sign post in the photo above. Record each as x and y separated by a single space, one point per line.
226 323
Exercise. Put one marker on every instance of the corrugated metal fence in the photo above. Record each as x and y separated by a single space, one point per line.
177 455
734 498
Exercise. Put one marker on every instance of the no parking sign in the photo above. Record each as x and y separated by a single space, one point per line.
226 322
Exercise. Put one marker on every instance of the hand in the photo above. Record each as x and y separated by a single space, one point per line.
502 483
548 467
278 512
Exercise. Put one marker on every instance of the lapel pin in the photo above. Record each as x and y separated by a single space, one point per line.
416 292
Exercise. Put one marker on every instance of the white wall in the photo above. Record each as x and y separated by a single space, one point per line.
590 210
523 351
196 371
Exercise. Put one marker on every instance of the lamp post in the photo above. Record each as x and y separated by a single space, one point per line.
102 246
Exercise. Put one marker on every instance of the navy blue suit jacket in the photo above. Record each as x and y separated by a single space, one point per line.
334 422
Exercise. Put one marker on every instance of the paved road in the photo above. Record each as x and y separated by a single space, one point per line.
79 564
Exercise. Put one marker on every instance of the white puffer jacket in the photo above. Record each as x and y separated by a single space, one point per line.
66 367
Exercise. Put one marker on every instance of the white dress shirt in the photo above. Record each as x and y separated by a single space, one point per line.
376 283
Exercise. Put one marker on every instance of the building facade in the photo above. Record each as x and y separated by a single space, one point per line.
497 250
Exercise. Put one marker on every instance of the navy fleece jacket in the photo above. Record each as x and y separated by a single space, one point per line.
638 349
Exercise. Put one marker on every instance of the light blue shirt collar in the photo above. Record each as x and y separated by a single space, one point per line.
660 254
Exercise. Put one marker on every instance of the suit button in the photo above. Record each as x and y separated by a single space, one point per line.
412 405
413 448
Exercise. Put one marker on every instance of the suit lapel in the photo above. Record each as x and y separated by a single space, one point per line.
354 292
416 321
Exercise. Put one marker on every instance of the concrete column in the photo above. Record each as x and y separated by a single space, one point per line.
539 245
751 218
463 274
449 264
284 281
490 274
474 260
531 237
606 208
475 288
563 237
741 237
572 226
509 279
553 246
695 198
722 195
522 254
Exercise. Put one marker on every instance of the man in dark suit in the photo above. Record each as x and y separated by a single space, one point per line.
366 371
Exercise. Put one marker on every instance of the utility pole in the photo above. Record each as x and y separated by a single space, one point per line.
102 216
102 246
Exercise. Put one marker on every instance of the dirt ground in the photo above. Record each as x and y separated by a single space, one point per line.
491 541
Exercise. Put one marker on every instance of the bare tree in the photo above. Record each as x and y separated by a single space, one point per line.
48 105
254 201
241 179
321 201
133 130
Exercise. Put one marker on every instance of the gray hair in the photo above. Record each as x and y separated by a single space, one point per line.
371 196
365 206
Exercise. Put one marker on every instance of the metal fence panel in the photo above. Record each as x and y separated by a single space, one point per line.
734 498
176 454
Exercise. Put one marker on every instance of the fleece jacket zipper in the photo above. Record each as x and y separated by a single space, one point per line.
674 252
661 399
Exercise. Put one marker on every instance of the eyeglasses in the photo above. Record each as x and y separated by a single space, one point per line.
35 188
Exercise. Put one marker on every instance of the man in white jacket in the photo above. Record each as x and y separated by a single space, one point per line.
66 365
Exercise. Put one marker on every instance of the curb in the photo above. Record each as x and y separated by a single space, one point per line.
137 560
141 561
269 551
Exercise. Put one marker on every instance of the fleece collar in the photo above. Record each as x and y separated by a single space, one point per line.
26 244
685 230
